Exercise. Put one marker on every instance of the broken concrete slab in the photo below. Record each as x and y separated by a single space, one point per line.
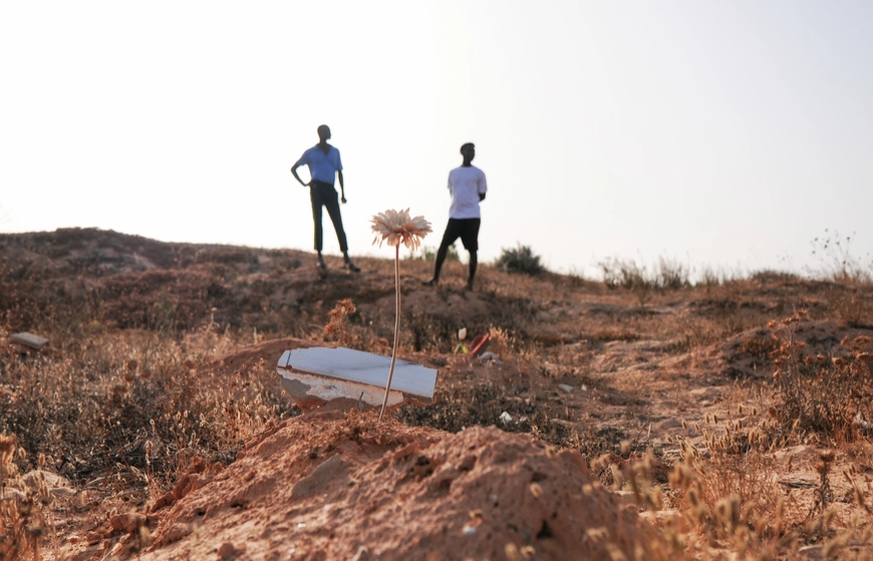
29 340
317 375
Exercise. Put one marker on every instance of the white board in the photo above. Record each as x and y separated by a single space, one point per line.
329 373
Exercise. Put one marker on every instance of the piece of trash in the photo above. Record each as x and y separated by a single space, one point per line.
317 375
505 417
479 343
361 555
567 388
488 356
29 340
469 530
461 349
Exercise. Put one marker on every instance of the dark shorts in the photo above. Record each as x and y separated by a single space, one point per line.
465 228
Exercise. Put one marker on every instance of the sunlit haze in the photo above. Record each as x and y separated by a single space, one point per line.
718 134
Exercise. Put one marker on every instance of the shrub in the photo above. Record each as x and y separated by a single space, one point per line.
672 274
829 395
838 263
428 253
519 260
629 275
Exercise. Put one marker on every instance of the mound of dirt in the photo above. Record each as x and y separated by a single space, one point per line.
750 353
332 484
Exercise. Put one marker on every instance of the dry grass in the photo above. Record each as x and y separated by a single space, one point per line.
826 395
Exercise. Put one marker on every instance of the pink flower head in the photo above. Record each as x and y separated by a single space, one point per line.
396 227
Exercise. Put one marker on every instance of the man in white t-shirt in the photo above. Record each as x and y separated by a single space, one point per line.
467 187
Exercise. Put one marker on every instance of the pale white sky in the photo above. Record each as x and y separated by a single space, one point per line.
715 133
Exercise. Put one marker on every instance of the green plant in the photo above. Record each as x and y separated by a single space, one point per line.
520 259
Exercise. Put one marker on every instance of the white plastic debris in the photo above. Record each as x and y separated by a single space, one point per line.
566 387
505 417
489 358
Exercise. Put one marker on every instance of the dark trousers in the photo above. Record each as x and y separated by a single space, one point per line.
323 194
468 230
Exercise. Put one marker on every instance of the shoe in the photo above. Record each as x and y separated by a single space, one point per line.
431 282
351 265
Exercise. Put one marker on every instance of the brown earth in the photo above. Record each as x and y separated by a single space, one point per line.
584 373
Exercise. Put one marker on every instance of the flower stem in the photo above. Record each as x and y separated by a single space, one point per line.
396 327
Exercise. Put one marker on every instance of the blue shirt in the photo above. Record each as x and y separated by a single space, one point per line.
322 167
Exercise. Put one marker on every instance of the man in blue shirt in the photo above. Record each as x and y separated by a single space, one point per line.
325 164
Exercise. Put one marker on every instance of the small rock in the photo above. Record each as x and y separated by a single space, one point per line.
505 417
33 478
177 532
566 387
228 551
29 340
319 477
62 493
129 522
667 424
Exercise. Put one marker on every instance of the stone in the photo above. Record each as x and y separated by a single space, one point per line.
29 340
319 477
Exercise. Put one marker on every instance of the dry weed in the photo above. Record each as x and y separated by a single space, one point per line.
826 395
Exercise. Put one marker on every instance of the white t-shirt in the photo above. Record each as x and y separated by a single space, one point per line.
465 185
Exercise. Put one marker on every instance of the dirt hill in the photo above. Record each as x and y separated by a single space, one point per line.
614 422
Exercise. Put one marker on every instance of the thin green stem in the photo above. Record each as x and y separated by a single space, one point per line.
396 328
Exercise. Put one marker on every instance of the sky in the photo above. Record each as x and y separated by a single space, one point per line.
726 135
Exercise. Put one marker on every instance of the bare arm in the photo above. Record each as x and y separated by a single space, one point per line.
294 173
339 175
